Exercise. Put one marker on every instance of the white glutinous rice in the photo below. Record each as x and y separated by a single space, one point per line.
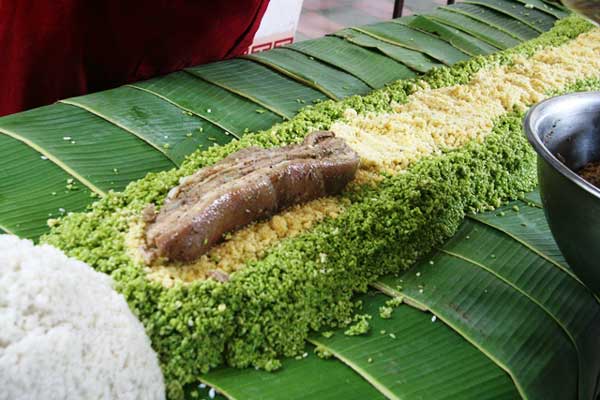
66 333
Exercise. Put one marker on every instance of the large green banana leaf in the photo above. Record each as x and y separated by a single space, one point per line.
374 69
306 377
411 58
552 9
329 80
402 35
26 176
224 109
258 83
93 151
485 32
530 16
532 232
465 42
498 20
171 130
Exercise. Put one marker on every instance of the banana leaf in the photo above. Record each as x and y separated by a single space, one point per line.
527 225
169 129
500 21
222 108
534 197
560 294
259 84
503 323
331 81
485 32
374 69
33 189
306 377
413 59
462 41
551 9
91 150
401 357
401 35
536 19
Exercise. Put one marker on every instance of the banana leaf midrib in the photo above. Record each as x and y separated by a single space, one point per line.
55 160
211 120
502 10
334 65
239 93
368 377
516 288
355 55
458 34
487 33
370 42
383 39
112 121
545 7
5 230
469 53
484 39
292 75
412 301
528 245
458 10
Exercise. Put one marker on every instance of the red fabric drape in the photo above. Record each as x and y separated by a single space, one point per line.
54 49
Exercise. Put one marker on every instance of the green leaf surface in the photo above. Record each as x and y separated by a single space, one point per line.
504 324
534 197
528 226
495 19
258 83
373 68
411 356
217 105
463 41
485 32
564 298
169 129
307 378
411 58
546 7
33 189
97 153
536 19
332 81
401 35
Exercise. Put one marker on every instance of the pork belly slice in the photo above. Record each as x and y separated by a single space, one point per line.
249 185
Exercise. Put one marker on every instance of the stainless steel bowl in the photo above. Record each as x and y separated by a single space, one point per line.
565 132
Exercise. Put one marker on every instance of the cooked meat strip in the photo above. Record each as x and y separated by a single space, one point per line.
251 184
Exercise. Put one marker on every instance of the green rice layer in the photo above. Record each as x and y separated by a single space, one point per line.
267 309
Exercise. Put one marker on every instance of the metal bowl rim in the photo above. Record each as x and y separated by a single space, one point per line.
543 151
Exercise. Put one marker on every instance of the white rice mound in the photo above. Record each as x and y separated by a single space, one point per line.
65 333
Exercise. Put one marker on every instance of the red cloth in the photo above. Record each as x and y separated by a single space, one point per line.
54 49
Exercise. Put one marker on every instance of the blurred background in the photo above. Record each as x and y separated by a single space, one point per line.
320 17
288 21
